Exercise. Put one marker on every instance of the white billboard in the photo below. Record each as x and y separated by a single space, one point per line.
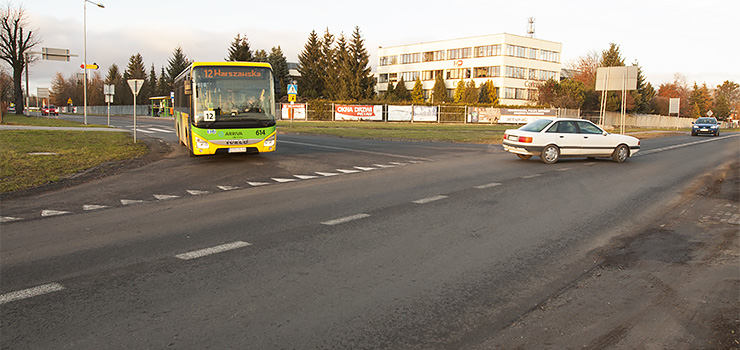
616 78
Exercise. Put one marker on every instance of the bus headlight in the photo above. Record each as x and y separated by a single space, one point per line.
270 141
200 143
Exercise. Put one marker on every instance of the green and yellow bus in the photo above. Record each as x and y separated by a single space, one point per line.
225 107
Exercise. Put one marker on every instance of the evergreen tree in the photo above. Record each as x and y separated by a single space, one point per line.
115 78
163 87
701 99
240 50
260 56
362 85
612 57
470 95
457 96
176 65
279 69
389 96
417 94
439 91
401 93
311 80
328 67
135 70
152 82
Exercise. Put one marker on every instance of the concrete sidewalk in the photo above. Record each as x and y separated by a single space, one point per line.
63 128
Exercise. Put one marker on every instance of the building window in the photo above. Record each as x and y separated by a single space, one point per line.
384 61
516 51
510 93
533 53
393 77
454 54
409 76
516 94
547 75
532 94
430 74
533 74
411 58
485 72
466 52
383 78
516 72
550 56
487 51
458 73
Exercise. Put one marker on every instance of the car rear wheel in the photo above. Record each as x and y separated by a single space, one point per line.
621 153
524 156
550 154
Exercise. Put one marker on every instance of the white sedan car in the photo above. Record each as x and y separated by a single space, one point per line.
553 138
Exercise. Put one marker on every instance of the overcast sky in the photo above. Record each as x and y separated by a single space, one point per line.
698 39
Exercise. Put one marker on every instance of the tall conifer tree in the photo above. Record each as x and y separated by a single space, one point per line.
311 81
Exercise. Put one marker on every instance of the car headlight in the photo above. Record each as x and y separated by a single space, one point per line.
200 143
270 141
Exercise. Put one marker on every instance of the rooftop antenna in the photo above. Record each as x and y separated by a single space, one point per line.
530 27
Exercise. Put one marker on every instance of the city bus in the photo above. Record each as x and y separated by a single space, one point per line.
225 107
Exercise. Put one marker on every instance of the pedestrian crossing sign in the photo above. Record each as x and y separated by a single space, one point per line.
292 89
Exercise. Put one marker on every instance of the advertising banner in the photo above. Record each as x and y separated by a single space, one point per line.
400 113
299 111
355 112
524 116
489 115
425 113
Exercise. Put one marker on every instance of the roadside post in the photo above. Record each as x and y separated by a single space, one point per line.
135 85
292 93
109 91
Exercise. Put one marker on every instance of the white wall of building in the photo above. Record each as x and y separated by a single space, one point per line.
515 77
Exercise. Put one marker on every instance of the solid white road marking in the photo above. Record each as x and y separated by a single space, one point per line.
429 199
144 131
94 207
131 201
8 219
492 184
162 130
345 219
667 148
30 292
563 169
531 176
255 184
54 212
212 250
197 192
165 197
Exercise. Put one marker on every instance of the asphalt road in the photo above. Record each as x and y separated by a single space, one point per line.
371 245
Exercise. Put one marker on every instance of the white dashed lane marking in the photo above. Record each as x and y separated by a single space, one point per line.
46 213
9 219
212 250
197 192
228 188
88 207
531 176
492 184
165 197
429 199
345 219
30 292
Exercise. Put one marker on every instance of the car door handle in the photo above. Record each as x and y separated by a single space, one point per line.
561 136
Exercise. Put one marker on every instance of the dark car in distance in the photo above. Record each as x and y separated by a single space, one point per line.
706 126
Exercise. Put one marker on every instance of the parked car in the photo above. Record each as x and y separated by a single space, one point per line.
11 110
555 138
49 110
705 126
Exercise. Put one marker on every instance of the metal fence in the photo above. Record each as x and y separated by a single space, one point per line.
114 110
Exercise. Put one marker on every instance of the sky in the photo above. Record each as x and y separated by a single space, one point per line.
697 39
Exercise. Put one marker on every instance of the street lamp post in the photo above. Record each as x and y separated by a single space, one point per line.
84 44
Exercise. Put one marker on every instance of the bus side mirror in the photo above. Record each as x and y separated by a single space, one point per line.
188 87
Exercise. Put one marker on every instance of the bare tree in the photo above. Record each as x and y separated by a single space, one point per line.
15 40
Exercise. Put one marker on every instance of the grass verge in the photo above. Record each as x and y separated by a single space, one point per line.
14 119
70 152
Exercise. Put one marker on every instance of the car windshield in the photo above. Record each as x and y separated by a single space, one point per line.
536 126
706 121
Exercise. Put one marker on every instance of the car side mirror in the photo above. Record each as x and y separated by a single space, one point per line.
604 133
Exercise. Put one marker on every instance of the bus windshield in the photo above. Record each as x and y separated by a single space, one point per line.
233 94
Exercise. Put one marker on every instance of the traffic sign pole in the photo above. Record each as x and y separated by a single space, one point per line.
135 85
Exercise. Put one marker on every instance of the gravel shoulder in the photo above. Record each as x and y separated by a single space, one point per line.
674 285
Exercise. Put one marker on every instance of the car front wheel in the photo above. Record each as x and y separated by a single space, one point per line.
524 156
621 153
550 154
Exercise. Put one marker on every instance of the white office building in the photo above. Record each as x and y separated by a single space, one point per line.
516 64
